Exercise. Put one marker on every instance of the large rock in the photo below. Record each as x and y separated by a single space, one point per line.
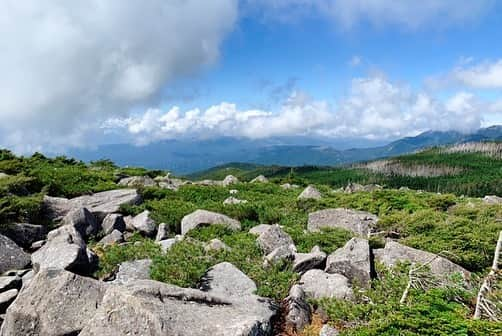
260 179
274 237
56 303
298 310
131 271
9 282
310 193
224 279
204 217
65 249
352 261
12 256
6 298
162 232
359 222
115 237
152 308
318 284
492 199
144 224
259 229
99 204
229 179
393 253
113 222
83 221
304 262
137 181
280 253
25 234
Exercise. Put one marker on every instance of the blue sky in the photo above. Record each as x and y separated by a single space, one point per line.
91 73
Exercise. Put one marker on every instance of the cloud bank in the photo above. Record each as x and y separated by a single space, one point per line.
375 108
66 65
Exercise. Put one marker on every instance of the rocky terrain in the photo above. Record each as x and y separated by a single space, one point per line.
256 258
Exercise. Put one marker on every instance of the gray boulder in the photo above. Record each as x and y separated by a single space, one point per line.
162 232
6 298
56 303
298 310
55 208
9 282
259 229
318 284
204 217
328 330
393 253
130 271
492 199
83 221
310 193
275 237
224 279
24 234
260 179
137 181
358 222
284 252
12 256
352 261
287 186
229 179
65 249
304 262
115 237
144 224
148 307
216 245
166 244
113 222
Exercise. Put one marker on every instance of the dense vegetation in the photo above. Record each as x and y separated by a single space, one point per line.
477 175
464 227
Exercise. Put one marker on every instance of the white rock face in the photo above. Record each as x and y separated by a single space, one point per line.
352 261
492 199
229 179
260 179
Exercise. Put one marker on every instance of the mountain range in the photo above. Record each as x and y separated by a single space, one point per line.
184 156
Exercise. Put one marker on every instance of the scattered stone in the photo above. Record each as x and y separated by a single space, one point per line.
352 261
162 232
358 222
304 262
224 279
356 187
147 307
284 252
259 229
232 200
56 303
6 298
113 222
37 245
204 217
216 245
260 179
115 237
24 234
83 221
131 271
310 193
166 244
318 284
174 184
229 179
492 199
273 238
287 186
12 256
233 191
144 224
328 330
393 253
137 181
298 310
9 282
65 249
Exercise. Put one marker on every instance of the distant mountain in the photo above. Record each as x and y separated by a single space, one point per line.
186 156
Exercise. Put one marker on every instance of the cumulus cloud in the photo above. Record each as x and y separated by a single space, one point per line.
486 75
67 66
375 108
347 14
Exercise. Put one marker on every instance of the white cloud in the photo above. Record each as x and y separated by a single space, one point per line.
486 75
67 65
410 14
375 108
355 61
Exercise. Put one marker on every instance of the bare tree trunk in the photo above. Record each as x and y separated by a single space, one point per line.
485 287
